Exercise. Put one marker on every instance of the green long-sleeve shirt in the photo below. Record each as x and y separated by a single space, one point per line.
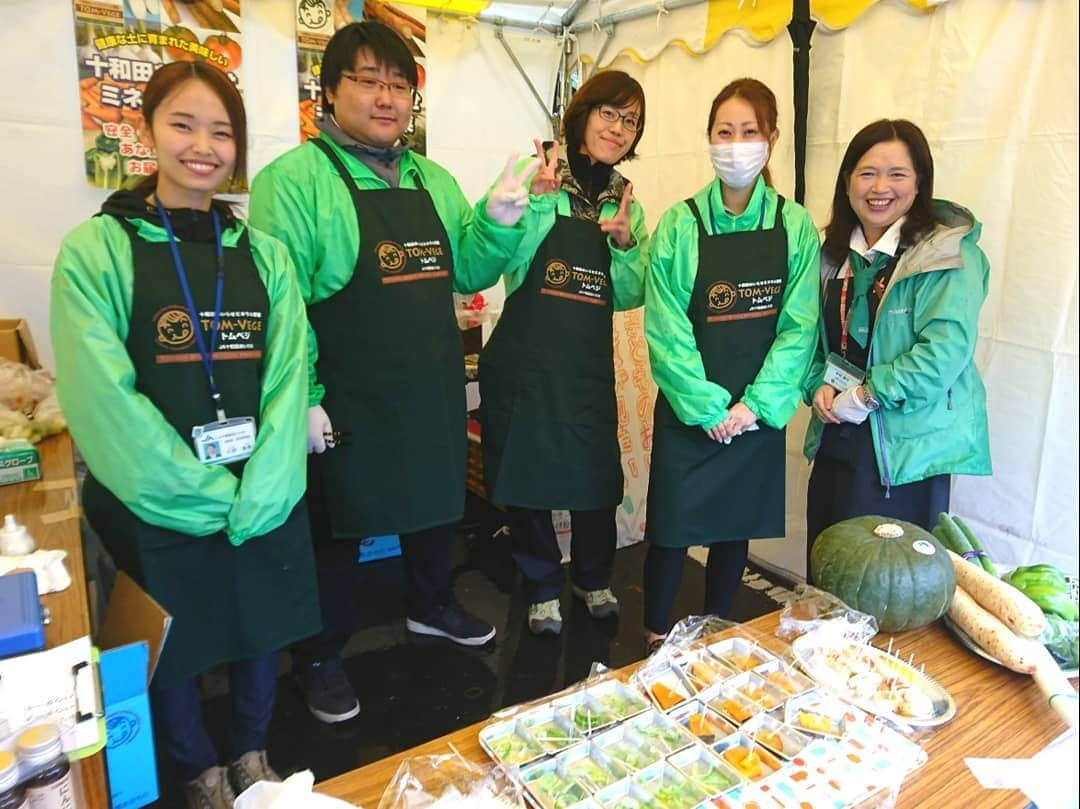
676 363
628 267
126 441
300 199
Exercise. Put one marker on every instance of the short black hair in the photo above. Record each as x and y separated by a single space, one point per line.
385 44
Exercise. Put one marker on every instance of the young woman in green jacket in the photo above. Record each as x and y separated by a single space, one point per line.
731 306
898 403
179 338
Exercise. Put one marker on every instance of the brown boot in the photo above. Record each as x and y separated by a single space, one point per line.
249 769
210 790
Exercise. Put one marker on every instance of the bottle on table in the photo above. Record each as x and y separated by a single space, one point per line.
41 752
12 794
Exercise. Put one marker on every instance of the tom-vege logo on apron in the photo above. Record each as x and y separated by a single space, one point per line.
721 296
391 256
556 273
174 328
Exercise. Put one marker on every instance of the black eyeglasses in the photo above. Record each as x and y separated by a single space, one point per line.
630 120
371 86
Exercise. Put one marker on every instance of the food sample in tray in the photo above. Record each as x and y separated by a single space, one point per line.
626 795
702 723
775 736
734 705
820 714
617 699
551 787
780 675
705 769
740 654
660 731
749 760
551 729
588 765
624 745
874 680
669 787
752 686
510 743
589 717
702 669
667 688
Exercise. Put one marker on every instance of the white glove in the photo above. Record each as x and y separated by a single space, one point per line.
507 200
320 433
849 407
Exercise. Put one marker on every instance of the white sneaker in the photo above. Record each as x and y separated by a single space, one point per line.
545 617
601 603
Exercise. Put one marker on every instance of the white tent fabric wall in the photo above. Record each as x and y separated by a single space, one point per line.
993 86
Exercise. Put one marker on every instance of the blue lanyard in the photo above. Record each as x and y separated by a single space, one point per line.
215 326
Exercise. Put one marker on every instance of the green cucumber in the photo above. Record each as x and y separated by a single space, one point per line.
957 541
976 546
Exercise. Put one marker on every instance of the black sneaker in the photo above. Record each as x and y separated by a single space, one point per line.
454 623
329 695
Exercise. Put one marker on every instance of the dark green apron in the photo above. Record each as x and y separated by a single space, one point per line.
702 491
547 379
391 358
228 603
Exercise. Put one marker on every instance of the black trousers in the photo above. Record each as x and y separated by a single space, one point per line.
663 575
536 550
426 555
845 483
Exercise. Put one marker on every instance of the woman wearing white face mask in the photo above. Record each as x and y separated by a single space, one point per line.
731 303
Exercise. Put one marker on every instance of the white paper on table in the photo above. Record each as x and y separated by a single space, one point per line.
1048 779
58 685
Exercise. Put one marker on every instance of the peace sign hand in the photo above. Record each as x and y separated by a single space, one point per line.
507 200
618 227
548 180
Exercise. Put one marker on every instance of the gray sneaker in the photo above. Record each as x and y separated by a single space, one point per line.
211 790
601 603
545 617
249 769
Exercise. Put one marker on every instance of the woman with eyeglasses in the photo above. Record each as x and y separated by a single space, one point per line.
547 378
381 237
731 308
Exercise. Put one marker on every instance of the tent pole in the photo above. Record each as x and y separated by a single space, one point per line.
553 120
572 12
500 22
800 29
609 34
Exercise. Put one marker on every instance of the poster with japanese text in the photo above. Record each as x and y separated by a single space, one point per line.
119 44
316 22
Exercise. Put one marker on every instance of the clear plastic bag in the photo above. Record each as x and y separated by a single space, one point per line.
295 792
451 782
13 424
16 382
811 609
48 417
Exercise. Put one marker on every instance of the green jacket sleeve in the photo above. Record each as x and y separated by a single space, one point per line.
274 477
946 322
629 267
673 354
126 441
775 393
815 374
278 206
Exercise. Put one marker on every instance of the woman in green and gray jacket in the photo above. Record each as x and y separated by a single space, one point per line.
898 402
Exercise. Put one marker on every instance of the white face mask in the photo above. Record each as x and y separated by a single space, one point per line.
738 164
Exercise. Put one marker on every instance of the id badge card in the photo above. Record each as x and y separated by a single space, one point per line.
842 374
224 441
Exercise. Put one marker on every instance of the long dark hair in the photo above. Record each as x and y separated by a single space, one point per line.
611 87
758 96
920 220
167 79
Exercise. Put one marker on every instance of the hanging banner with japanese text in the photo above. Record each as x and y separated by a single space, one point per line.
316 22
119 44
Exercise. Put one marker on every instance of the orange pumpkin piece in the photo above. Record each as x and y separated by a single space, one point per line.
735 710
665 696
772 740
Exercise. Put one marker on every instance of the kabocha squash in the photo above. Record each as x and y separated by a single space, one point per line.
890 569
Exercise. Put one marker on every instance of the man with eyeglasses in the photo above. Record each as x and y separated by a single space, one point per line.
380 237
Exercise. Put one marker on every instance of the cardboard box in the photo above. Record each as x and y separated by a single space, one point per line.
19 461
16 344
131 638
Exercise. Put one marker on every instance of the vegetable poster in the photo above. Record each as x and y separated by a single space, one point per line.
316 21
119 44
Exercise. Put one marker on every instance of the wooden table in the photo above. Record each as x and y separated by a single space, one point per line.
1000 715
50 510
